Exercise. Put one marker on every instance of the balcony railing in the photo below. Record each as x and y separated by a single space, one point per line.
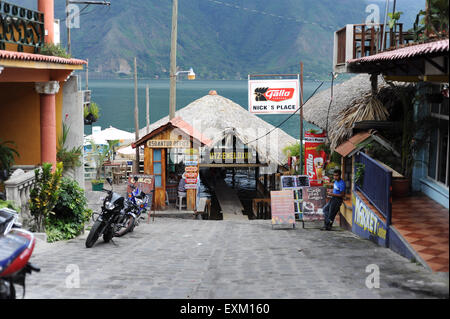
376 185
18 189
359 40
21 29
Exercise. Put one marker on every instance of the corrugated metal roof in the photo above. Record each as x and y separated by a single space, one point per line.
409 51
12 55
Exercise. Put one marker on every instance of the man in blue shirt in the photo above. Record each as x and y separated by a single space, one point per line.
337 197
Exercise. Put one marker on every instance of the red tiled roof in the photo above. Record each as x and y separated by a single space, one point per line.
179 123
351 144
409 51
12 55
188 129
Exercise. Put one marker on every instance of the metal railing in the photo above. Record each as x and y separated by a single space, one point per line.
20 27
376 185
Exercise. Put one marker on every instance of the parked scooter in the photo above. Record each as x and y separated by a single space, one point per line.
16 247
109 220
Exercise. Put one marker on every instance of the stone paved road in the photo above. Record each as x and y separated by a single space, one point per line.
184 258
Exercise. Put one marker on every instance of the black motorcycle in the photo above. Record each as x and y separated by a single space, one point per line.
109 221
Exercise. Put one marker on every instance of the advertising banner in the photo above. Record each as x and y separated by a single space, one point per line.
282 206
273 96
314 160
295 183
314 199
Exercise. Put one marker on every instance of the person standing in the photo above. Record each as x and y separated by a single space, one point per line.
336 198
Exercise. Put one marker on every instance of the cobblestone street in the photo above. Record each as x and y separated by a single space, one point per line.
186 258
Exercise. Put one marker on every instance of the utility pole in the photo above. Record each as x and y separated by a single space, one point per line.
301 120
136 118
173 61
87 75
69 50
147 99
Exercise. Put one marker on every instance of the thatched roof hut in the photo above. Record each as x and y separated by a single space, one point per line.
214 116
349 105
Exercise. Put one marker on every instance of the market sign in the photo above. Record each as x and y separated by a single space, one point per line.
273 96
168 144
366 223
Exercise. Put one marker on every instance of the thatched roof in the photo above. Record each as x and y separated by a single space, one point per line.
213 115
345 95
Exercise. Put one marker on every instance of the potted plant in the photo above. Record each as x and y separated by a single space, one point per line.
69 157
7 153
91 113
359 174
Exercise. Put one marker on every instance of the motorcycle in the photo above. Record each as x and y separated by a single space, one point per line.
140 203
109 220
16 247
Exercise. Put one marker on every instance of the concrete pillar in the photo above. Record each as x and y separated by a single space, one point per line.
48 8
47 91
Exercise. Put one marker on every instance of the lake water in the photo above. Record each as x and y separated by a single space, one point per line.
116 101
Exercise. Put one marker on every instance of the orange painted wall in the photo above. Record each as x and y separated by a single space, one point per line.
20 120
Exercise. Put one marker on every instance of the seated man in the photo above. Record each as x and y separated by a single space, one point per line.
337 197
182 184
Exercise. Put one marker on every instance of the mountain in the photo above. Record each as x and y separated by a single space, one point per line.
226 39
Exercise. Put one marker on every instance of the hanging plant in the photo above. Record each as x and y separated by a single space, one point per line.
91 113
359 173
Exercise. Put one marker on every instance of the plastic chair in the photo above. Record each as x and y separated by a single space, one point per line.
179 203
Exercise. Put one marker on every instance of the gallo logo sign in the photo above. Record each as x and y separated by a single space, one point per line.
276 95
273 96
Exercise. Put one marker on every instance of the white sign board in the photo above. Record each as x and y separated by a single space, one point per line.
273 96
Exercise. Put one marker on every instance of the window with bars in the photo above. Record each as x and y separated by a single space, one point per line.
438 160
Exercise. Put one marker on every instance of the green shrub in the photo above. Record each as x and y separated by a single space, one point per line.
70 213
45 193
55 50
8 204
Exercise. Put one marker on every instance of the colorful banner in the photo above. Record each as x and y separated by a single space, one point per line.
273 96
282 206
314 160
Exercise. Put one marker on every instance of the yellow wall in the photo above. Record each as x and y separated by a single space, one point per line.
20 120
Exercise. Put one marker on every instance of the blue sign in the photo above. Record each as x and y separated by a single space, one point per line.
367 224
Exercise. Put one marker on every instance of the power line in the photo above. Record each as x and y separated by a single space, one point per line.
315 91
302 21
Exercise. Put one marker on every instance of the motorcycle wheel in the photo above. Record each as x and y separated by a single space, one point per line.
128 225
108 235
7 290
93 234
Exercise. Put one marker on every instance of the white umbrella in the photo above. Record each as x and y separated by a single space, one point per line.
112 133
128 152
97 140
